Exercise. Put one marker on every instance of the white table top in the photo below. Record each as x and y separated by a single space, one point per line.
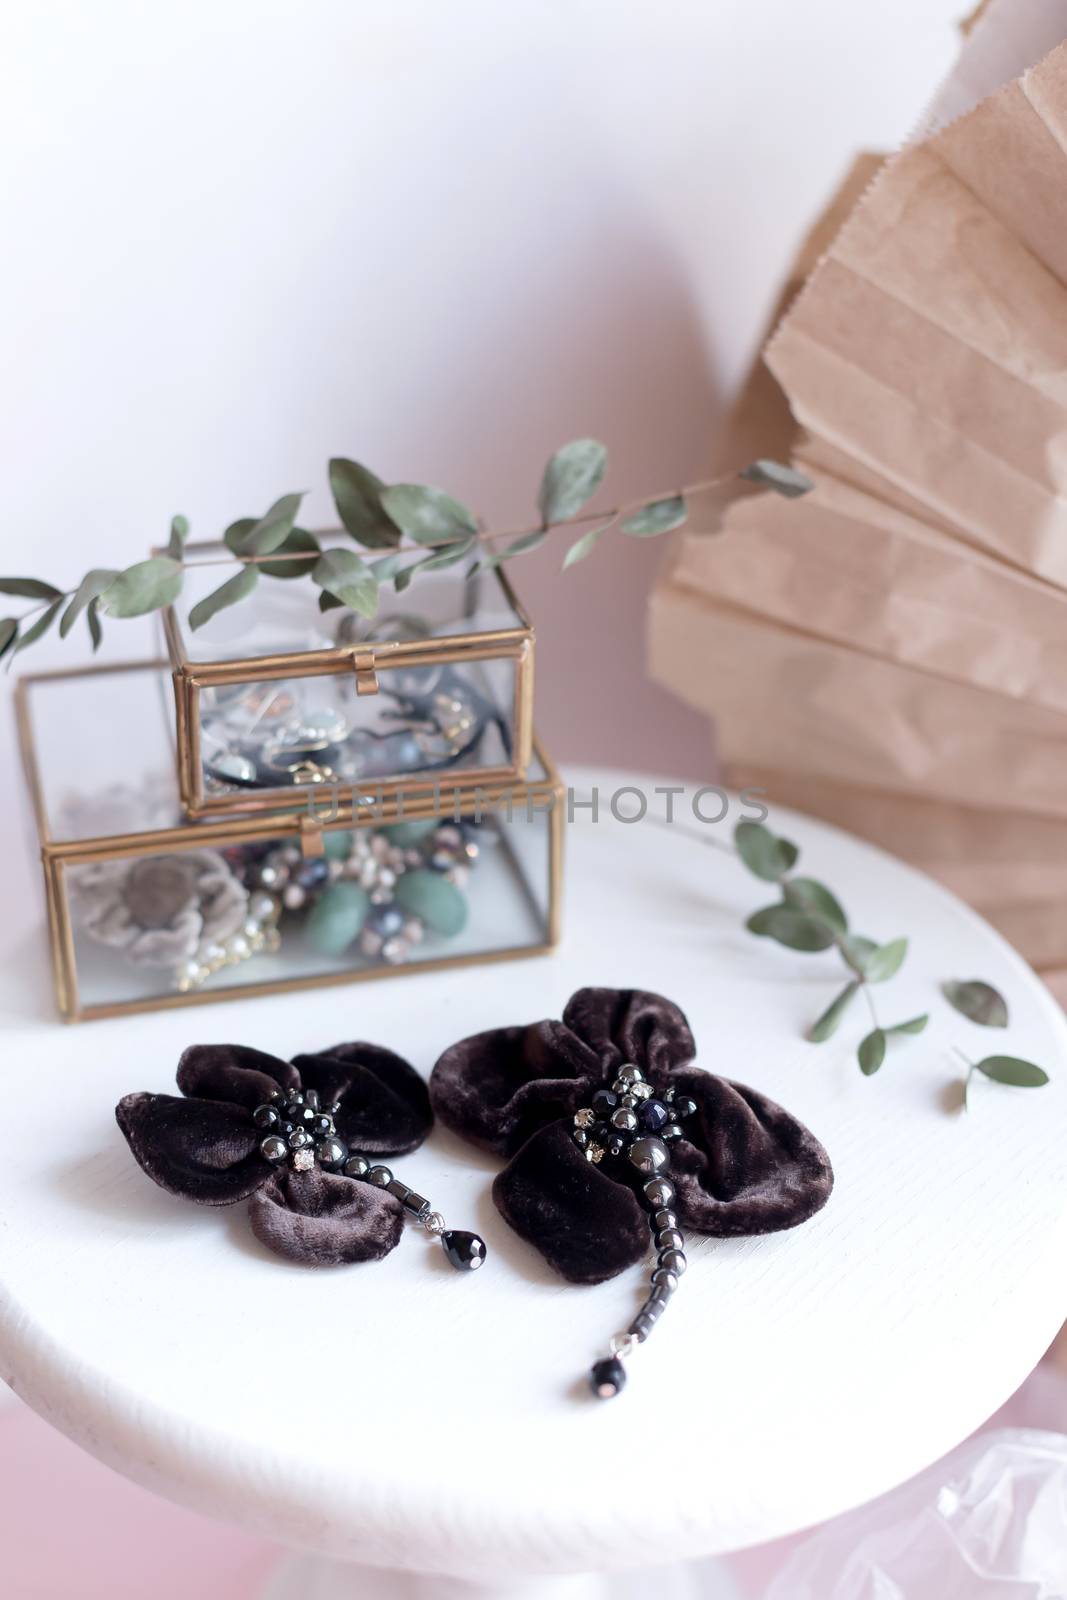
403 1414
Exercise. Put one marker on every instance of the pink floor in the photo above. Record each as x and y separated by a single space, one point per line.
72 1530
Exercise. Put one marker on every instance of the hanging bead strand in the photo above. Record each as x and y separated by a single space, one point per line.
464 1251
629 1119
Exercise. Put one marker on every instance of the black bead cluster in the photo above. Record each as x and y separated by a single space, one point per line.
297 1129
631 1119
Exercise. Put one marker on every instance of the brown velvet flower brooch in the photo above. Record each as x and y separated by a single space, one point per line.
296 1140
610 1131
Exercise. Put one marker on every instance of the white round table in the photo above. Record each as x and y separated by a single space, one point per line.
404 1417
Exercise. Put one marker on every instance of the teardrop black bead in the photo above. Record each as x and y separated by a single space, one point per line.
466 1251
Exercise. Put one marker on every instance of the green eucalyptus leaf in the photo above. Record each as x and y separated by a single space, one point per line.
856 949
236 534
272 529
790 927
93 584
9 629
144 587
357 494
329 602
179 533
769 857
92 617
584 546
978 1001
387 567
447 557
827 1024
775 475
347 576
518 547
659 516
298 540
871 1052
428 516
913 1025
571 478
885 960
1013 1071
39 628
30 588
808 895
239 587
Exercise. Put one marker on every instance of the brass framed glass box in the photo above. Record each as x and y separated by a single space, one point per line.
147 909
277 694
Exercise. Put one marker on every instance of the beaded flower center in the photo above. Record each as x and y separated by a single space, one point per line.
297 1129
630 1118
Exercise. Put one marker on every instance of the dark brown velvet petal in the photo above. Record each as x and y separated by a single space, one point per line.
631 1025
587 1226
199 1149
322 1220
233 1072
385 1105
747 1166
498 1088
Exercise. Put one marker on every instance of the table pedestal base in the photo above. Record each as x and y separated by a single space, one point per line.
315 1578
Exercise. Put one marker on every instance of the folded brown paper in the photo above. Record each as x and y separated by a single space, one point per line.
801 703
990 858
854 569
891 651
930 345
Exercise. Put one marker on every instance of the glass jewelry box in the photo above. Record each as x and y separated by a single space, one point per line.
147 909
277 694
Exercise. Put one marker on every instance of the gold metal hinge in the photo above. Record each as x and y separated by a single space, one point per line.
311 837
364 669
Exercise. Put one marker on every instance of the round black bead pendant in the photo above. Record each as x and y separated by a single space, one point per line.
466 1251
607 1378
265 1117
604 1102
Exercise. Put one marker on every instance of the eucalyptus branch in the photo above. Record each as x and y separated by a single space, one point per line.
401 530
809 917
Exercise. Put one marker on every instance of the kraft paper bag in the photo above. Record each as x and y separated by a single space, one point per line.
784 698
892 649
853 569
930 344
989 858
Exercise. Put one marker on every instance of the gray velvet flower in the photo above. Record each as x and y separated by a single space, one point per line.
159 910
